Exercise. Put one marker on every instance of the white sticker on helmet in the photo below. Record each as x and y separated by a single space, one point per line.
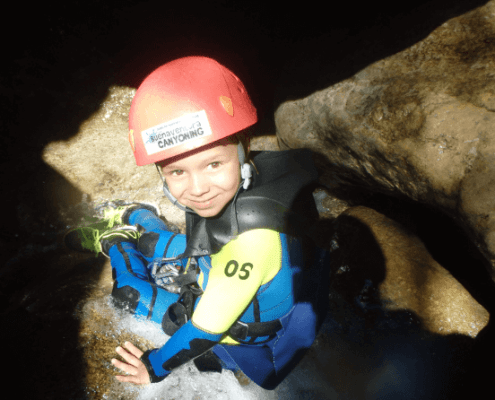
176 132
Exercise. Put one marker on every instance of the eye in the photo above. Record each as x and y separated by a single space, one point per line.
214 164
176 172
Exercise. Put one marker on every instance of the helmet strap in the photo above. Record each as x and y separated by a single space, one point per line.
240 153
167 193
246 172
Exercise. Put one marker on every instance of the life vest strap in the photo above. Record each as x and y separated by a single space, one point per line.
180 312
240 331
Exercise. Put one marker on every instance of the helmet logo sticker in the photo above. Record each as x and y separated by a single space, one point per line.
176 132
227 104
131 140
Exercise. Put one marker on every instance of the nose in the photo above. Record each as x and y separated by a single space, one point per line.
198 185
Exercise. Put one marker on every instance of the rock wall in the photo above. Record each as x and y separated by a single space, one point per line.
98 160
400 273
420 124
401 326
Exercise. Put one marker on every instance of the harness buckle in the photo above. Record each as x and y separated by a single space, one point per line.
239 330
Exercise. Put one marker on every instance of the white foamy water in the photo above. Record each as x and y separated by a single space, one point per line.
186 382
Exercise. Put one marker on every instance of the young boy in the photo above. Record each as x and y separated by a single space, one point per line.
244 285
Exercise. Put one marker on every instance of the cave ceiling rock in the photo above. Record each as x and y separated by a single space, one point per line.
419 123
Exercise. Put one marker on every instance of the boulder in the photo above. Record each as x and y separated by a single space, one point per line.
379 260
400 325
419 124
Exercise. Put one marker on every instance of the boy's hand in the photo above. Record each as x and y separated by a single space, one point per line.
138 373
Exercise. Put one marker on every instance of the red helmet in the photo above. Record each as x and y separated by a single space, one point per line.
186 104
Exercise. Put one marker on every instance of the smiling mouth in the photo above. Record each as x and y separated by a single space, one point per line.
203 204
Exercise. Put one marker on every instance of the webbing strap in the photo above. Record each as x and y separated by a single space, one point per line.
180 312
168 244
240 331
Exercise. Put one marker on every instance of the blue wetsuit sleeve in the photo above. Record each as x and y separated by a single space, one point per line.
186 344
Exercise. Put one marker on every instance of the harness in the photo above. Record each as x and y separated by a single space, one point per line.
180 312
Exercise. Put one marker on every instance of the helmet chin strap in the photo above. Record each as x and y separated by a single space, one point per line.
167 193
246 172
246 175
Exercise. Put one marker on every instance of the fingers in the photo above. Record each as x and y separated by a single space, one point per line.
133 349
128 378
131 356
134 366
130 369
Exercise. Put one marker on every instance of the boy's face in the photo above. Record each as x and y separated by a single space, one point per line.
205 181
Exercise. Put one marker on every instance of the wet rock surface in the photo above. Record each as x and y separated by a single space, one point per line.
419 124
378 259
400 324
98 160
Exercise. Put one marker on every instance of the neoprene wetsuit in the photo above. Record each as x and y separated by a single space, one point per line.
252 269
